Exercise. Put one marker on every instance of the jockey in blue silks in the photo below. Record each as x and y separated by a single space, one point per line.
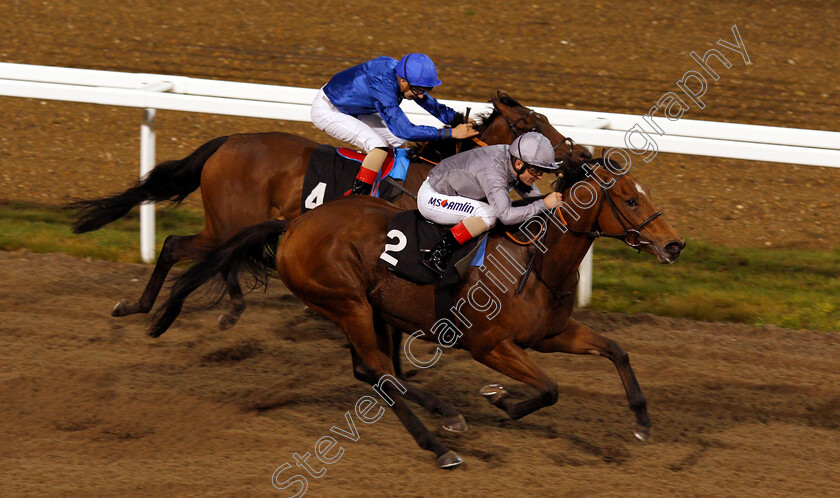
361 105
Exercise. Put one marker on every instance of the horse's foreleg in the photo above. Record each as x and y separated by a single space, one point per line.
175 248
371 365
395 347
577 338
389 340
511 360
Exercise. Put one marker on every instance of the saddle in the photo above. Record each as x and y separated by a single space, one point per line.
410 235
331 171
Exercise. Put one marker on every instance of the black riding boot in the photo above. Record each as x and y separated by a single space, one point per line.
360 187
437 259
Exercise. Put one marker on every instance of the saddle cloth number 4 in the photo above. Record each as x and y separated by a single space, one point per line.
401 242
316 196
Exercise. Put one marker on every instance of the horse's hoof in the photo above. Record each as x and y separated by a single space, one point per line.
455 424
119 308
494 393
448 460
642 433
226 321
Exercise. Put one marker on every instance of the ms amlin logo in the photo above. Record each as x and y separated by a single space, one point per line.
464 207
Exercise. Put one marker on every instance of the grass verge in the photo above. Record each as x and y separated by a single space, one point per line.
46 229
792 288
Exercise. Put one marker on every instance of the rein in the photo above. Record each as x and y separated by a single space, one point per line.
539 235
558 295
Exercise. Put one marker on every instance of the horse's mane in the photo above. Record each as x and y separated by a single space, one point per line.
569 174
485 118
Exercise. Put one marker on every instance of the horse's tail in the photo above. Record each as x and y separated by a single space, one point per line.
168 181
252 252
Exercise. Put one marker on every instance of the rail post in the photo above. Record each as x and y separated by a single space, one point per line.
584 289
147 209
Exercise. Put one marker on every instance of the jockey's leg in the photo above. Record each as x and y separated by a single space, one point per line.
438 258
357 131
471 219
371 165
377 151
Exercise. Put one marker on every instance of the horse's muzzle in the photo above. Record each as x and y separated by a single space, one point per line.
673 249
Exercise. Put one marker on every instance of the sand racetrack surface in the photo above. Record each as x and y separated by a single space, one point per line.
91 406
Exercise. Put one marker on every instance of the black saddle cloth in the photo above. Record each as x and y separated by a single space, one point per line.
330 175
409 237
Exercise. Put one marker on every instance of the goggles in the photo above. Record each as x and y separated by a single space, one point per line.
536 171
419 90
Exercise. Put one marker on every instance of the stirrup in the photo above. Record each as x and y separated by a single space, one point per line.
438 258
360 188
432 263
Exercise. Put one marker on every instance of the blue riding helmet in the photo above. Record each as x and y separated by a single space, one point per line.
418 70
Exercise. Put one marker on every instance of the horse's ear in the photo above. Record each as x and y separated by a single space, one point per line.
498 99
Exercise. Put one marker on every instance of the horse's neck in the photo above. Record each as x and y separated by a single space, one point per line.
565 249
416 175
497 132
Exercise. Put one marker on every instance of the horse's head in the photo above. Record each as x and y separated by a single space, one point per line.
502 125
518 119
623 206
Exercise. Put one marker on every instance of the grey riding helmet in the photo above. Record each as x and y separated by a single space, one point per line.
534 149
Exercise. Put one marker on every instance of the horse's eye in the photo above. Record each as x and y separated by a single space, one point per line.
631 203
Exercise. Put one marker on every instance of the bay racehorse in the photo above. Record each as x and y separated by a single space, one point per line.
328 259
249 178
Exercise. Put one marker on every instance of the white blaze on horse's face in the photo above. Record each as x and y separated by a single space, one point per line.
640 189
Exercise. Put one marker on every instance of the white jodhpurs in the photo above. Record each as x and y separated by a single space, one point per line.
366 132
451 209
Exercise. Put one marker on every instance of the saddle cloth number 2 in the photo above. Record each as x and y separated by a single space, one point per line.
401 242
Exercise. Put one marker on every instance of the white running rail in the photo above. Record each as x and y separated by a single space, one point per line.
177 93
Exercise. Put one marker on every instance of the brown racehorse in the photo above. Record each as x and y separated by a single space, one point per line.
249 178
328 259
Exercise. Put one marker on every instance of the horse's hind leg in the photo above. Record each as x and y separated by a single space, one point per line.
237 307
577 338
394 344
175 248
396 347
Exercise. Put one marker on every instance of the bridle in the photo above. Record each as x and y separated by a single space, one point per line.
632 235
516 132
512 124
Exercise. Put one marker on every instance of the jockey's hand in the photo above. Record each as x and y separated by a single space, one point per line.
553 199
464 130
